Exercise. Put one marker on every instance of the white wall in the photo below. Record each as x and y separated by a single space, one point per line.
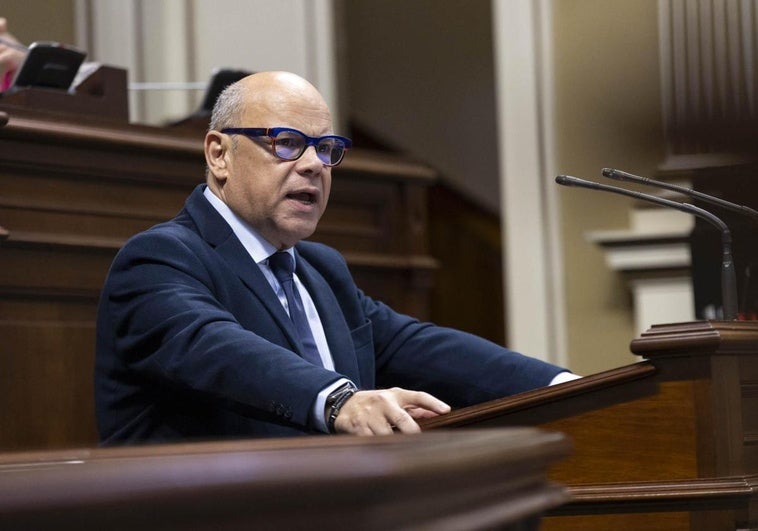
184 40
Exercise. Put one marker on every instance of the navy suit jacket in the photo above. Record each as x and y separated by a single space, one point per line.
192 342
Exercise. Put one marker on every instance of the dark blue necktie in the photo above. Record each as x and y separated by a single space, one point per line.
282 265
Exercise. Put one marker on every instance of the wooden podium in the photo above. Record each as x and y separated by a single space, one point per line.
669 443
494 479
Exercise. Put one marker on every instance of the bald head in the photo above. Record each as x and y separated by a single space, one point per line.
280 198
259 98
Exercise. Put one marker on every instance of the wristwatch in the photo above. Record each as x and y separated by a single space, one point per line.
335 401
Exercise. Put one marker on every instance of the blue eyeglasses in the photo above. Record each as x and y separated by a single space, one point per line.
290 144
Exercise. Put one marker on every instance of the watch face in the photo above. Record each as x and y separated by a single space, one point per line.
348 387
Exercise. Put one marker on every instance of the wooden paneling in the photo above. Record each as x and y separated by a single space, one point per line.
468 289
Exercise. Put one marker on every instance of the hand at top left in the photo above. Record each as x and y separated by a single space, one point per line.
11 56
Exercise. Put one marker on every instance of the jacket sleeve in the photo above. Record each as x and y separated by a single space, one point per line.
169 317
457 367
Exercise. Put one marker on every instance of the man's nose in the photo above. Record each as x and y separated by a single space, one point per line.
310 160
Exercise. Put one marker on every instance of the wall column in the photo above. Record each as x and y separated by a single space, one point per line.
532 257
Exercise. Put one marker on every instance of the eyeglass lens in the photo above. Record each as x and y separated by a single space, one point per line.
290 145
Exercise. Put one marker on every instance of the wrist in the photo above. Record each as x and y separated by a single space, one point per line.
334 403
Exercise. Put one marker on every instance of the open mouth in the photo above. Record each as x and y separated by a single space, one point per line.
303 197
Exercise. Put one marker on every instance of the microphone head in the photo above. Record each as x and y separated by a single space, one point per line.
568 180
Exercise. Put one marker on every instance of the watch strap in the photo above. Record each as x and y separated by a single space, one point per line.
335 401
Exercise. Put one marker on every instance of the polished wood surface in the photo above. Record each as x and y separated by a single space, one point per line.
673 434
446 480
75 187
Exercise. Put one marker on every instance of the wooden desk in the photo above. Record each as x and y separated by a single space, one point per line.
675 435
442 481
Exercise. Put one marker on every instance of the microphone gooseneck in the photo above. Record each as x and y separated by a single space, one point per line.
728 277
619 175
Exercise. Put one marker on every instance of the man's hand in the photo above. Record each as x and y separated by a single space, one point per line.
383 411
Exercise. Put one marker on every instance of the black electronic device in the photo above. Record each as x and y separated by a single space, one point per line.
49 65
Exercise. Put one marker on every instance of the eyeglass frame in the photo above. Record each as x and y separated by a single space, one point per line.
273 132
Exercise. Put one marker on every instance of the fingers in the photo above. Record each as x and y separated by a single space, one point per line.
419 413
384 411
7 54
378 426
10 58
422 402
404 423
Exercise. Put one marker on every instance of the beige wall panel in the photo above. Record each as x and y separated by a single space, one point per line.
608 115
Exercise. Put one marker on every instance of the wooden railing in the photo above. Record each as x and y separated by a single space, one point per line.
442 481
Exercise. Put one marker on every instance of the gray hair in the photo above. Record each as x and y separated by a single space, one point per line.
226 111
228 107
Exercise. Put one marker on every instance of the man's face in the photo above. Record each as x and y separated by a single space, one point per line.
282 200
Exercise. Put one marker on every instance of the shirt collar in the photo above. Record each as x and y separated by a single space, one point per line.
256 246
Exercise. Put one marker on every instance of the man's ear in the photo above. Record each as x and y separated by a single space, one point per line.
217 147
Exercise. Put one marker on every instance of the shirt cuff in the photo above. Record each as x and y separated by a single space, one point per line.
318 408
564 377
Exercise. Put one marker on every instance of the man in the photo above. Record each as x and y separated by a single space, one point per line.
194 339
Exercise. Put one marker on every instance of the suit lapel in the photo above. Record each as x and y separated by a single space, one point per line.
217 232
335 328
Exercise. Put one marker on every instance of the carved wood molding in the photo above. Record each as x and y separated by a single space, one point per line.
100 136
45 293
383 261
30 240
698 337
171 143
35 205
705 494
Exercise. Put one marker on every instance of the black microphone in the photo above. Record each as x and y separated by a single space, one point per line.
619 175
728 277
727 205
